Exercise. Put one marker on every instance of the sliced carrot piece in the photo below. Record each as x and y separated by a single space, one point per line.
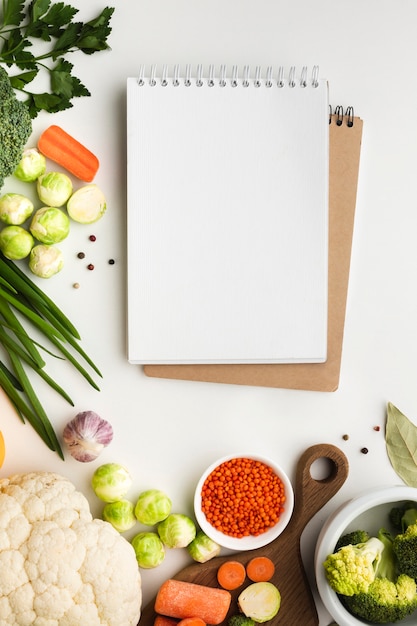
162 620
260 569
231 574
2 449
56 144
180 599
192 621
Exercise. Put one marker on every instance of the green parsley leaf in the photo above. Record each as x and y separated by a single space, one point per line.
23 24
13 12
64 84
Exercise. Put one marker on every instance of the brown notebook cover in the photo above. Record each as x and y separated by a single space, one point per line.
345 145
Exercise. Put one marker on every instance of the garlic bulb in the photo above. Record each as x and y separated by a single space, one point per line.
87 435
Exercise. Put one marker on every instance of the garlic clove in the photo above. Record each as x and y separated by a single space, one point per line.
86 436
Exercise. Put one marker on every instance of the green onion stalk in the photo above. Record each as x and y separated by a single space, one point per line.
23 303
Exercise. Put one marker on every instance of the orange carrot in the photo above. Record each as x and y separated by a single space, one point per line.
260 569
176 598
242 497
59 146
231 574
192 621
162 620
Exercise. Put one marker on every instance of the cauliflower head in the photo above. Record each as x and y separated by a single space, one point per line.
58 565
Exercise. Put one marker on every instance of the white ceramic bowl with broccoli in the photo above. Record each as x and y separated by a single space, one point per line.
370 511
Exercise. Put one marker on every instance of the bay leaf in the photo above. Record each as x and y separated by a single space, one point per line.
401 443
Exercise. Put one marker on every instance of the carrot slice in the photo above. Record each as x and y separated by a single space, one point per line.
180 599
192 621
57 145
162 620
260 569
231 574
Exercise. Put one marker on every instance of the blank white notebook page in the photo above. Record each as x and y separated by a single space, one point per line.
227 221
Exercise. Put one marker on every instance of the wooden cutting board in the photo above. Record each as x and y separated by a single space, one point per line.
311 494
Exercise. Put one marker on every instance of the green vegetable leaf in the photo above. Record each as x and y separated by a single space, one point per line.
54 25
19 81
64 84
401 443
13 12
58 15
94 34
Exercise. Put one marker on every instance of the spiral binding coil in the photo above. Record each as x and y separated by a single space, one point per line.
340 116
221 78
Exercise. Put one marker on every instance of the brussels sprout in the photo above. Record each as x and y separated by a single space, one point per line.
54 188
149 550
202 548
50 225
177 530
15 242
87 205
45 261
152 506
31 166
120 515
260 601
111 482
15 208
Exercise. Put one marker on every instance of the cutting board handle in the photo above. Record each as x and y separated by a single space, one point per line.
311 493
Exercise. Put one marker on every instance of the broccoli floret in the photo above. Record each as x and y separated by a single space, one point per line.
391 596
405 549
404 519
240 620
15 127
403 516
352 568
385 601
352 538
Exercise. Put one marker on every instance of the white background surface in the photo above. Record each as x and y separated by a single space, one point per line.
167 432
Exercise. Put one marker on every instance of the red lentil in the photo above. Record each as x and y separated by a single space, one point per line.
243 497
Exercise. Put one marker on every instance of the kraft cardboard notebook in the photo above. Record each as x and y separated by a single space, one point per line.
227 235
345 145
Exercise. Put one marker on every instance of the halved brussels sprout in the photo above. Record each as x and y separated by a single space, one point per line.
260 601
87 205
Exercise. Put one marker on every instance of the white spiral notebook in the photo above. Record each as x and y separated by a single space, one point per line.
227 181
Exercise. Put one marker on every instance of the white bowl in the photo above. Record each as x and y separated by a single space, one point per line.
368 511
250 542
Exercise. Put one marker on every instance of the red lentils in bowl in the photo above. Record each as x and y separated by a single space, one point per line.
243 501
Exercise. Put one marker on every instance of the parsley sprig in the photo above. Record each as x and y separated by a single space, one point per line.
53 26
